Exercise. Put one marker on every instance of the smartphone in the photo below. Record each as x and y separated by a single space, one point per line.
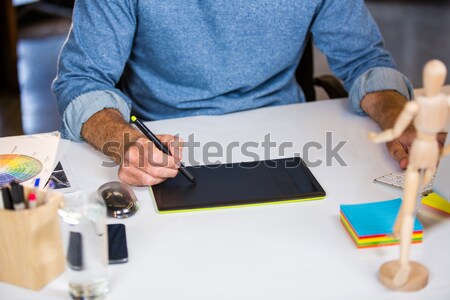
75 253
117 247
117 241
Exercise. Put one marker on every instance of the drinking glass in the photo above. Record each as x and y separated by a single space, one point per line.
85 240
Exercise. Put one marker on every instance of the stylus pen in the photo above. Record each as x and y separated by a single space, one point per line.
160 146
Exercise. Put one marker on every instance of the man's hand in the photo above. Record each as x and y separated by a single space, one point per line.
384 108
144 164
141 163
399 148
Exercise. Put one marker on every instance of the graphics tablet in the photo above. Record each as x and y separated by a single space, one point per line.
239 184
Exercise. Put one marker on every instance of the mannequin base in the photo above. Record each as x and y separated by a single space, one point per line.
417 279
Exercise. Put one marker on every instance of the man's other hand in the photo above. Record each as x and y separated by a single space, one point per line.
384 107
399 147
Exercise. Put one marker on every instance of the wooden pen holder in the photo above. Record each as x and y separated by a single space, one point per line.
31 251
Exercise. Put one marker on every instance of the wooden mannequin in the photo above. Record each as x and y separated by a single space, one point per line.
429 116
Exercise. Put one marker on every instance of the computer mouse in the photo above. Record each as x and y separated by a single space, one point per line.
119 198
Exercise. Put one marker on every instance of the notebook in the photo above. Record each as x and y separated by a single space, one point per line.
239 184
371 224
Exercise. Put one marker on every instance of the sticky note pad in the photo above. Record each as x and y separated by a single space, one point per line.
371 224
435 201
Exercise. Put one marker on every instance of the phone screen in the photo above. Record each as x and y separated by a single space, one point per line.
117 246
74 253
117 240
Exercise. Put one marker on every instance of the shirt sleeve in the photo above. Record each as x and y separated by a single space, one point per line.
84 106
349 37
92 61
379 79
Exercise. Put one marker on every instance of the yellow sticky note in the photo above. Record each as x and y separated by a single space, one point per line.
435 201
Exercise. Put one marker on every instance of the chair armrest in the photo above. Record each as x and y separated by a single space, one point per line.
332 86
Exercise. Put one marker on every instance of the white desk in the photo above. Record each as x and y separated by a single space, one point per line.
286 251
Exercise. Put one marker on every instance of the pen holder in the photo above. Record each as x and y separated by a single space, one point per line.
31 252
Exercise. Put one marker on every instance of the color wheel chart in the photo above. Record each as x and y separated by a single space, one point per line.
18 167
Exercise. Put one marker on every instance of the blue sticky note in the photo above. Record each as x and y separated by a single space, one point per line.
376 218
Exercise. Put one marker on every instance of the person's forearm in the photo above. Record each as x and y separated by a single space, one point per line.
108 132
383 107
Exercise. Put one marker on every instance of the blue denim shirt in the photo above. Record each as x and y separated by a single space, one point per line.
182 58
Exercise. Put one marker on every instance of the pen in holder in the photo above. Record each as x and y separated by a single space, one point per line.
31 252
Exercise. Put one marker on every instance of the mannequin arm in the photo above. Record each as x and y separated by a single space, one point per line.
403 120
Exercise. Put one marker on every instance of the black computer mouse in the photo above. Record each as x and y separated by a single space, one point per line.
119 198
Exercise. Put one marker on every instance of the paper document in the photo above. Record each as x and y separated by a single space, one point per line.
26 157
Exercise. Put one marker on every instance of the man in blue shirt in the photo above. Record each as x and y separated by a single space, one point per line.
167 59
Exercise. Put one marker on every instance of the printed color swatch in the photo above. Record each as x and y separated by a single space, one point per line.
18 167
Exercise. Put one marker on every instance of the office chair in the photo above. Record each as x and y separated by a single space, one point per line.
305 77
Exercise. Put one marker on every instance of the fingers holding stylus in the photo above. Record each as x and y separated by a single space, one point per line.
174 143
144 164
